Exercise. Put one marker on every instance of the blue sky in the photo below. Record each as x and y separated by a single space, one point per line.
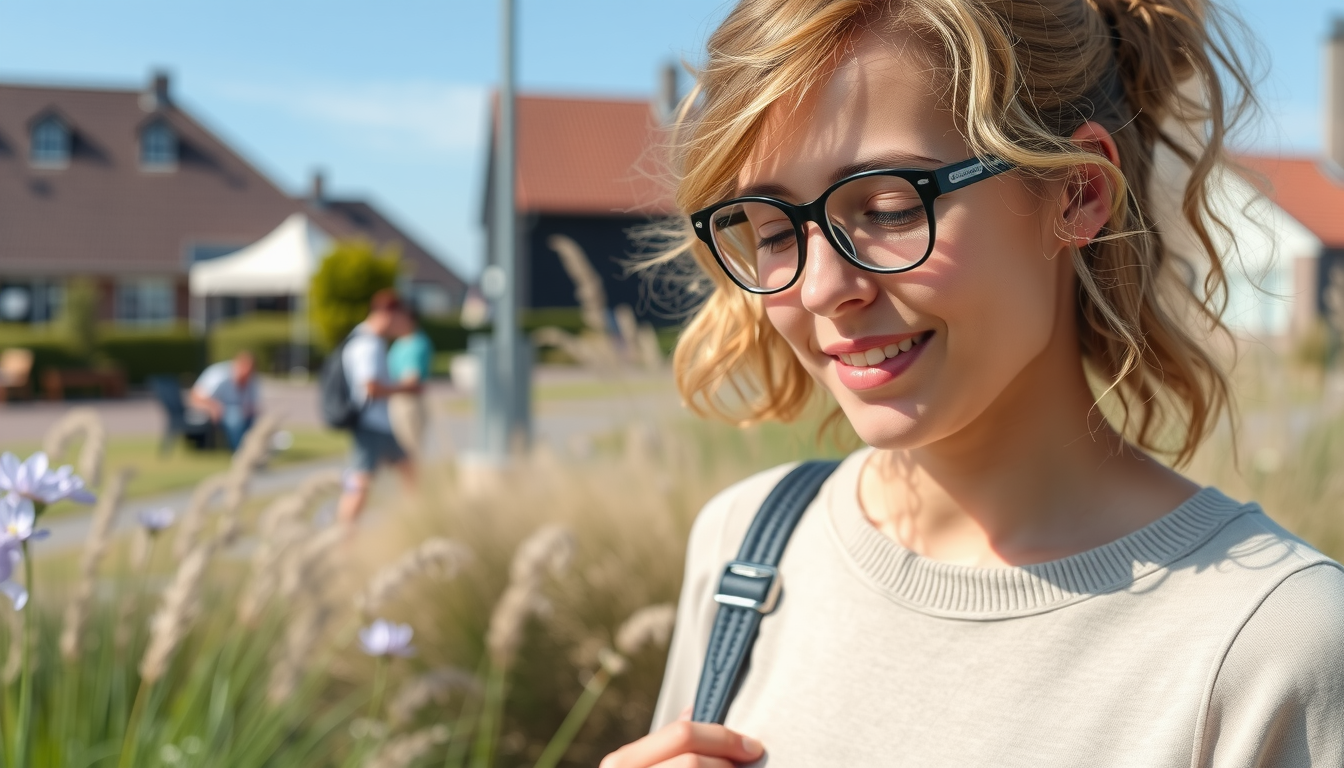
388 97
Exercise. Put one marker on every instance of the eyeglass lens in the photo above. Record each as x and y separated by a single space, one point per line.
880 222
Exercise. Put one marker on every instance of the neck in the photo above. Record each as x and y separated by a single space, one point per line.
1038 476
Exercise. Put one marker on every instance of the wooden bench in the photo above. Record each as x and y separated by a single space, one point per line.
108 383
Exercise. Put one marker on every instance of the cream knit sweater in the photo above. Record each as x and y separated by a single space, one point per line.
1211 637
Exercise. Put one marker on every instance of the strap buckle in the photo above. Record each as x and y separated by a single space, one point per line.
749 585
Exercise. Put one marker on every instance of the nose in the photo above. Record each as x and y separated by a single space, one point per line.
830 285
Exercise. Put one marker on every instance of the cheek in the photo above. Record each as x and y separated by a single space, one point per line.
995 288
788 316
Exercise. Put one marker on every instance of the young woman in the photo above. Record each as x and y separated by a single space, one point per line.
944 213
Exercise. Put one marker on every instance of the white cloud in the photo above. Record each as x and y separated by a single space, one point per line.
423 116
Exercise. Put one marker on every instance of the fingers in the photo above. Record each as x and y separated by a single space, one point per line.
680 742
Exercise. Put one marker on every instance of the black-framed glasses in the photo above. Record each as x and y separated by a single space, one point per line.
881 221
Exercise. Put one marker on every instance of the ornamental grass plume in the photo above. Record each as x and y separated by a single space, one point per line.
549 549
79 422
282 525
441 557
251 455
304 628
95 548
306 571
433 687
181 601
193 518
403 751
649 625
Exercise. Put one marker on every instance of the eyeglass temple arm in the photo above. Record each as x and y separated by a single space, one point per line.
950 178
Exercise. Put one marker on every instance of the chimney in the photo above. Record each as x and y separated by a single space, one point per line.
1334 94
317 193
665 106
157 96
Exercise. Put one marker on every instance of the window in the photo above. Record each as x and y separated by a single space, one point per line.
146 301
51 143
158 146
34 300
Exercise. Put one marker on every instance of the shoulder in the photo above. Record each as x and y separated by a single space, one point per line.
213 375
723 521
1297 629
1278 696
722 524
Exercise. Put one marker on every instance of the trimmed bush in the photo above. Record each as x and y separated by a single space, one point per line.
144 353
267 335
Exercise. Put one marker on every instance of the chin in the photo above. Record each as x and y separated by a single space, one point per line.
887 427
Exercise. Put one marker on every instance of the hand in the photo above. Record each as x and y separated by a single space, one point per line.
683 744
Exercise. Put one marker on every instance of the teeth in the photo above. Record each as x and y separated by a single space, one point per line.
876 355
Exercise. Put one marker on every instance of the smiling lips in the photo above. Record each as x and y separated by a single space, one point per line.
872 363
877 354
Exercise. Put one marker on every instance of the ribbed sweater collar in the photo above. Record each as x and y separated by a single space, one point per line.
957 591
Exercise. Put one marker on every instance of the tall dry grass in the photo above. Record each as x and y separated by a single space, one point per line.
540 598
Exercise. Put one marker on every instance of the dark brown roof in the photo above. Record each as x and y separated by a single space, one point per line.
588 156
104 214
351 218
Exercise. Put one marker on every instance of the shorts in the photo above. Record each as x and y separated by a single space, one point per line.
373 448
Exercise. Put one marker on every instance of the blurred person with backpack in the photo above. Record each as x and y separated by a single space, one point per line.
408 361
355 391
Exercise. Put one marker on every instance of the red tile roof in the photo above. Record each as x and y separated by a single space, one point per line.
1305 189
589 156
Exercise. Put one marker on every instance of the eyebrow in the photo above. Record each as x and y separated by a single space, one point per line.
878 162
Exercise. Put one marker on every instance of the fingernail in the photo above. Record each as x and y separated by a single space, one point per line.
752 746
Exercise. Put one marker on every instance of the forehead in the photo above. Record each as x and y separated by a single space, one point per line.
881 99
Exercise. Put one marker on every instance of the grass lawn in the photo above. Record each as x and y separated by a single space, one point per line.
183 468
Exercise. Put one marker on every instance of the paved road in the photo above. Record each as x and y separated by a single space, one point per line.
563 425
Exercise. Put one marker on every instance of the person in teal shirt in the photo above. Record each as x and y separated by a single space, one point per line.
408 360
410 355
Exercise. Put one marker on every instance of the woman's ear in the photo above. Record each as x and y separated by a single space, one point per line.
1088 195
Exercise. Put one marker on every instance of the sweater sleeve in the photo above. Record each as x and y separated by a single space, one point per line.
1278 699
715 536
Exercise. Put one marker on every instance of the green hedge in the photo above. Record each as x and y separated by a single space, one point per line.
141 354
267 335
138 352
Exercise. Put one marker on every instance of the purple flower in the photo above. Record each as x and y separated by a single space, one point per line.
10 557
34 480
383 638
17 516
155 520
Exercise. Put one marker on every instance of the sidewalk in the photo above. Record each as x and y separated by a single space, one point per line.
558 424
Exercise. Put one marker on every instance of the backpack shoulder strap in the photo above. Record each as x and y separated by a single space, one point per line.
750 587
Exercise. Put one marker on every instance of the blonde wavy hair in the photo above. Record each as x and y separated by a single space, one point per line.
1020 76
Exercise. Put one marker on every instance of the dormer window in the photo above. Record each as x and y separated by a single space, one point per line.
51 143
158 146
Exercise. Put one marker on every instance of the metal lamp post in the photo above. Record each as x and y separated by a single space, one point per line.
506 394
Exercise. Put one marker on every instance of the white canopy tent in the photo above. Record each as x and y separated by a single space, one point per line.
280 264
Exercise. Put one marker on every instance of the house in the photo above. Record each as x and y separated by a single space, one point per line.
586 169
126 187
